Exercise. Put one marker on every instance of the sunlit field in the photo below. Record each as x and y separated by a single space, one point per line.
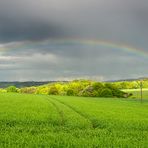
64 121
137 93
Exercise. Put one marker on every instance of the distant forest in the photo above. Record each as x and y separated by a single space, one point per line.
121 84
23 84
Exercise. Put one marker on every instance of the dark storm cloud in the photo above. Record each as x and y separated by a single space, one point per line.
11 30
116 20
23 21
28 52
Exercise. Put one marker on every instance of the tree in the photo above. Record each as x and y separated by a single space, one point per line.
106 92
97 86
70 92
28 90
11 89
53 91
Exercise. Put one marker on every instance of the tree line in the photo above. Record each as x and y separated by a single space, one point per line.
84 88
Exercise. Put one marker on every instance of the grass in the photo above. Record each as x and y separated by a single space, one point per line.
136 93
77 122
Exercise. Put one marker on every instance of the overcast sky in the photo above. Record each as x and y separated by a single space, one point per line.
39 39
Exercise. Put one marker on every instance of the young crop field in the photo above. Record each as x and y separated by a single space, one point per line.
77 122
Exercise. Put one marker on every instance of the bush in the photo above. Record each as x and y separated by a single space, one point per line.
28 90
42 90
11 89
3 90
87 92
106 92
110 86
70 92
118 93
115 91
53 91
96 93
97 86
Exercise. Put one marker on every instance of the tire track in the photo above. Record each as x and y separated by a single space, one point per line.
60 112
92 125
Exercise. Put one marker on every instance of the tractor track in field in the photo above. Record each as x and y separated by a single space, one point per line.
76 111
60 112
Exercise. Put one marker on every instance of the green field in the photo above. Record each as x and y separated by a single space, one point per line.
77 122
136 93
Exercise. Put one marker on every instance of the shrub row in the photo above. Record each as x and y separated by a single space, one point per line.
75 88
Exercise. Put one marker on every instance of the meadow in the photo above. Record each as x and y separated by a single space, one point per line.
29 120
136 93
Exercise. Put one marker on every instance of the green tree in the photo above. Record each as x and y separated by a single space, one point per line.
53 90
70 92
98 85
11 89
106 92
29 90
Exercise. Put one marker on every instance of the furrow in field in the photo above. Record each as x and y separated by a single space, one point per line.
83 116
60 112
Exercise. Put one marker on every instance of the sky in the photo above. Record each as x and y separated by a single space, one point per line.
62 39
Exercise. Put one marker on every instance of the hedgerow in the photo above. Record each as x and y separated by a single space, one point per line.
84 88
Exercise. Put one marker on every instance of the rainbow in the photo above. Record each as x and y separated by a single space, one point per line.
110 45
97 43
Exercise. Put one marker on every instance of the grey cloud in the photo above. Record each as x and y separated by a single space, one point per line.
114 20
12 30
27 28
52 64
